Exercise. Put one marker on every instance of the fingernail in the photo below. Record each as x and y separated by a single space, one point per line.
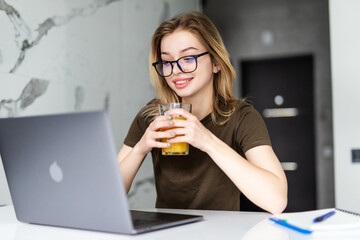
169 122
166 112
168 117
168 145
167 140
172 134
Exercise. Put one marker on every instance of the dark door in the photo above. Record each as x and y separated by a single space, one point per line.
281 89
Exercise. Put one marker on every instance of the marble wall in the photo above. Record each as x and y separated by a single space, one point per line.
81 55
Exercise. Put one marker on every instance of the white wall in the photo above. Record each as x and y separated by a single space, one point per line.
345 61
4 189
70 61
88 55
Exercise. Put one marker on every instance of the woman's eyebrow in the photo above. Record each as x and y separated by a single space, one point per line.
183 50
189 48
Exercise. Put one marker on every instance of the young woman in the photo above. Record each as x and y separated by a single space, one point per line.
230 150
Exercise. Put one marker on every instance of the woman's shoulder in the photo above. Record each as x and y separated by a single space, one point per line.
153 102
245 111
242 106
149 111
233 110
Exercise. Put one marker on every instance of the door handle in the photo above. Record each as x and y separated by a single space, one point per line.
280 112
289 166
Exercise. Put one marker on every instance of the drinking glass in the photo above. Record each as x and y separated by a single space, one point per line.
175 148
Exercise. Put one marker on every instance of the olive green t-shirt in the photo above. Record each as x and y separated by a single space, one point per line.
195 181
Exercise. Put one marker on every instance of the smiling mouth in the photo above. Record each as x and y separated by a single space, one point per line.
182 82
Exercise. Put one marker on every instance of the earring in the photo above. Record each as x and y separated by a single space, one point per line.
216 70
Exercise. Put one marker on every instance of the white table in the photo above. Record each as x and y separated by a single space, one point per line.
217 225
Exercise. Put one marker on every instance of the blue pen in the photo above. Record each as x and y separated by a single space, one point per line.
284 222
323 217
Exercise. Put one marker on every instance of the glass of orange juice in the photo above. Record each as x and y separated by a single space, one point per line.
175 148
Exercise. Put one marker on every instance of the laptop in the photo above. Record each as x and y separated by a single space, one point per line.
62 170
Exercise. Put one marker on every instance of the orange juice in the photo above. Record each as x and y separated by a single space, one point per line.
176 148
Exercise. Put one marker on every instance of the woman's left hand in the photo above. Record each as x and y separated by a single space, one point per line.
190 130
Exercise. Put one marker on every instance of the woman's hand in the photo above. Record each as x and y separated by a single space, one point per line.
190 130
155 131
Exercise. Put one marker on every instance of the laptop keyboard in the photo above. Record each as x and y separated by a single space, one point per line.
147 219
142 223
144 220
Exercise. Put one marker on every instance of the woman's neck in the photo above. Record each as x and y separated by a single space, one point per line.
201 106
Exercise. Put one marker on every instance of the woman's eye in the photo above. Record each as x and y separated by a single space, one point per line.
188 59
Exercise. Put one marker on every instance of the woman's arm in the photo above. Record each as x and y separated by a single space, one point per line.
260 177
130 159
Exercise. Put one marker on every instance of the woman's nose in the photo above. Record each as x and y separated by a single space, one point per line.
176 69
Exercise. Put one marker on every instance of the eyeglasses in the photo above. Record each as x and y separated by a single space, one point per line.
186 64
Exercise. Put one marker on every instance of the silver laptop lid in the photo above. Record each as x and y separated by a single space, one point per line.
62 170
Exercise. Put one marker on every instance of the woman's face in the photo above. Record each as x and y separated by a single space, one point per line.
198 84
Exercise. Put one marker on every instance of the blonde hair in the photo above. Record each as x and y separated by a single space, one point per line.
203 28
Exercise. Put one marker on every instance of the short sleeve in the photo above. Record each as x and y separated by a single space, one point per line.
136 130
252 131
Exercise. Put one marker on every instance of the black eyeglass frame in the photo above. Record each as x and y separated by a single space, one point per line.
177 62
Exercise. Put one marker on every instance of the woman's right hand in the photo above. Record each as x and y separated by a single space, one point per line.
153 134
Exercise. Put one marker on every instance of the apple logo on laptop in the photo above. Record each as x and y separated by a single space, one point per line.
56 172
